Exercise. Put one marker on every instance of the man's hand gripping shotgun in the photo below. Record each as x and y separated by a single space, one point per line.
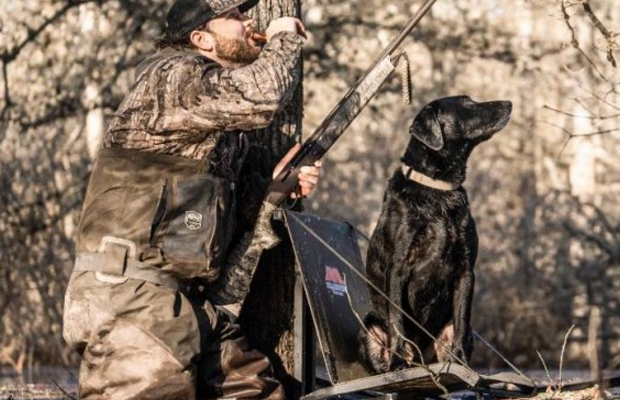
341 116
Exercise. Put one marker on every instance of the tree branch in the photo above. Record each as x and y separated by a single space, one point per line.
11 55
575 42
4 120
594 117
609 35
572 135
607 247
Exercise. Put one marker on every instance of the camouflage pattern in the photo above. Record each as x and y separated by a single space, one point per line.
182 103
221 6
187 15
234 284
142 341
139 340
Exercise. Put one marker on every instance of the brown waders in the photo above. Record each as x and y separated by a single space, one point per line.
134 309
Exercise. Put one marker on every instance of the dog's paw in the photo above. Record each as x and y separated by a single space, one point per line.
456 355
374 346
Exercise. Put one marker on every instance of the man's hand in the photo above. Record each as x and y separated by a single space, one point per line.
308 179
308 175
288 24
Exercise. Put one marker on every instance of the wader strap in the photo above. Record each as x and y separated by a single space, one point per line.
112 264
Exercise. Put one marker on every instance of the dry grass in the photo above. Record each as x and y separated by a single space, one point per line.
37 392
593 393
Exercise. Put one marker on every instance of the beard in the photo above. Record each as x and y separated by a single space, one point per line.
235 51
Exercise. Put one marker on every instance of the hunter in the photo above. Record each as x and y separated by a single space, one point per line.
154 261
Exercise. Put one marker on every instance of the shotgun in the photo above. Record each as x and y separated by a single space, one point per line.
341 116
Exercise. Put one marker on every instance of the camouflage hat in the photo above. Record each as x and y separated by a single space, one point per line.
186 15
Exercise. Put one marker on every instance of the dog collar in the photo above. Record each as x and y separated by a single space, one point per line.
422 179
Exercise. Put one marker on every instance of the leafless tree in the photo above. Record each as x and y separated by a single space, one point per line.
544 191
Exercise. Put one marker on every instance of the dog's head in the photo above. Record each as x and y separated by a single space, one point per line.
449 128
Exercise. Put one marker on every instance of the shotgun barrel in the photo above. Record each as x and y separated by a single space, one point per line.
342 115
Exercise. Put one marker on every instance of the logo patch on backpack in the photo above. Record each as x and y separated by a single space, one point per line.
193 220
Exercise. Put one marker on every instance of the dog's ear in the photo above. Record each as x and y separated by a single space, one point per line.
427 129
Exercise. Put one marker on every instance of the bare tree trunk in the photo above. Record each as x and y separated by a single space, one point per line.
267 316
594 324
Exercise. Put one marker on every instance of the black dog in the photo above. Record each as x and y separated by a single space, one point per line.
423 250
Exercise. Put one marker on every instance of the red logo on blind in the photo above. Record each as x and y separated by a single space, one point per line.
334 281
333 275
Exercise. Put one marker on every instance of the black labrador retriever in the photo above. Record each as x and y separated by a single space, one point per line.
423 250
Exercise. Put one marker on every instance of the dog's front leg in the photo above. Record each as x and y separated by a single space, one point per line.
462 345
463 296
395 319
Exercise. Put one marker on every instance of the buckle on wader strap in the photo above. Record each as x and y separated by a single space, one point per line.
117 257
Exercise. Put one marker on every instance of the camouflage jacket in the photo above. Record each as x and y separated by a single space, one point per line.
184 104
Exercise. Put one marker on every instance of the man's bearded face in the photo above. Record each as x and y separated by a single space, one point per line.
235 51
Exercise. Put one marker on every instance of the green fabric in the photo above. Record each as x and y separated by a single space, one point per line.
171 208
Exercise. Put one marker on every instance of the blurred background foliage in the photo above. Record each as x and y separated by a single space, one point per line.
544 191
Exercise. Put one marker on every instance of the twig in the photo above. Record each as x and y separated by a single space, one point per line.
561 384
500 355
572 135
596 133
575 42
63 390
598 97
434 377
593 117
415 346
361 323
546 369
609 35
435 380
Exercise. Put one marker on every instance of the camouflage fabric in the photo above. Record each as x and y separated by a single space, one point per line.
182 103
234 283
139 340
187 15
221 6
176 214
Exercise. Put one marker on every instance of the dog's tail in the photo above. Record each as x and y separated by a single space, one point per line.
374 346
